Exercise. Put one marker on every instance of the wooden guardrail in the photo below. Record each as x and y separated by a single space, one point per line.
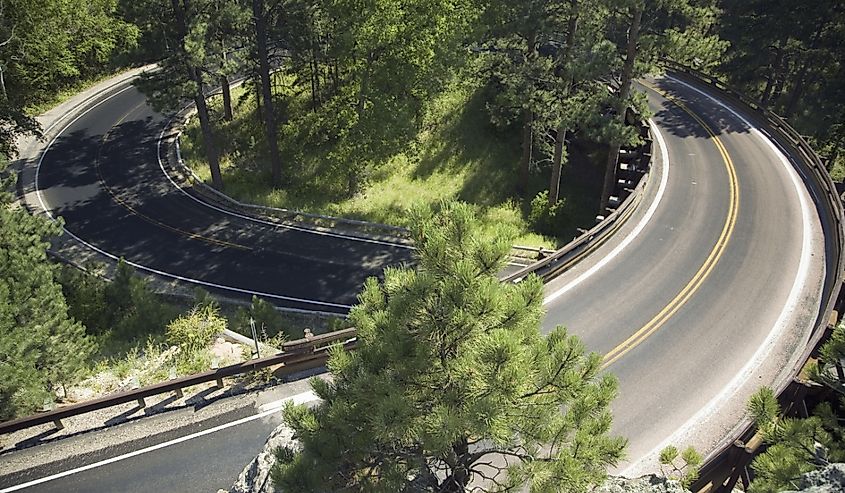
298 355
723 468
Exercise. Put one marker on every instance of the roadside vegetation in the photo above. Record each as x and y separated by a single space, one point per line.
797 445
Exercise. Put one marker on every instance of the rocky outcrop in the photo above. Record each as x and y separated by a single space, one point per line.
831 479
255 478
644 484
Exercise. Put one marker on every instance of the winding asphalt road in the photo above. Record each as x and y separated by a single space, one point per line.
703 295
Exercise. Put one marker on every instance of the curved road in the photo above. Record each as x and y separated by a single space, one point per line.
702 296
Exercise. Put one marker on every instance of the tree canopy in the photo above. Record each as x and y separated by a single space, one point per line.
452 384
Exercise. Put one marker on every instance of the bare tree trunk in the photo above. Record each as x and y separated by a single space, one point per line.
527 125
266 92
3 84
227 97
624 90
557 165
560 135
207 132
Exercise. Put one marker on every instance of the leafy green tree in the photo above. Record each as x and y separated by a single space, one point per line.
268 321
452 384
259 19
45 44
372 66
42 347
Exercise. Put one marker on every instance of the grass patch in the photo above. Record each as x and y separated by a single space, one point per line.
457 153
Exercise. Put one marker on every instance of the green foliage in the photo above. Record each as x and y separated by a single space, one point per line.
194 331
45 44
451 372
793 64
680 466
796 446
548 219
42 346
121 312
829 365
268 321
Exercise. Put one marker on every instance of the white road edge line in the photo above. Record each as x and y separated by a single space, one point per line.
664 178
143 267
262 221
302 398
780 325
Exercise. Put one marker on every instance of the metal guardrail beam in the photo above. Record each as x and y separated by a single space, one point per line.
296 355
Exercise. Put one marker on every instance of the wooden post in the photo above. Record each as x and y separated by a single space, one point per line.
142 403
58 424
219 382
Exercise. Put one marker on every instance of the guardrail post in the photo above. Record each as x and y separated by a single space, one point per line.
179 394
219 382
58 424
142 403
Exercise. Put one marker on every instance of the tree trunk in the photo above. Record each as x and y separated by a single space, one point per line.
560 135
3 85
527 149
557 166
458 480
227 98
773 76
266 93
207 132
798 88
527 125
624 90
195 75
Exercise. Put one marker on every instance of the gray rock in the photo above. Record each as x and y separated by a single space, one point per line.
644 484
255 478
831 479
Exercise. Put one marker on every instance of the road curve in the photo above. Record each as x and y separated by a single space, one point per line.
697 300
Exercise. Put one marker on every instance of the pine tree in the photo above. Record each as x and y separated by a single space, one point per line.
42 347
452 383
795 446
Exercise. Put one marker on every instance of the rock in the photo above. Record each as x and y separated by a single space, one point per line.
831 479
255 478
644 484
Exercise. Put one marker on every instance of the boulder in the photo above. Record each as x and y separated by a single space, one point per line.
255 478
644 484
831 479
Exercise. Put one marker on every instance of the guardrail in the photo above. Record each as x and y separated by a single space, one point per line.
815 175
637 161
298 355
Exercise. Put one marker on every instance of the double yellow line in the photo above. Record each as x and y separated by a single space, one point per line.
132 210
715 254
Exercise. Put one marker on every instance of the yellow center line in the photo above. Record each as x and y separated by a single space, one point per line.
132 210
712 259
